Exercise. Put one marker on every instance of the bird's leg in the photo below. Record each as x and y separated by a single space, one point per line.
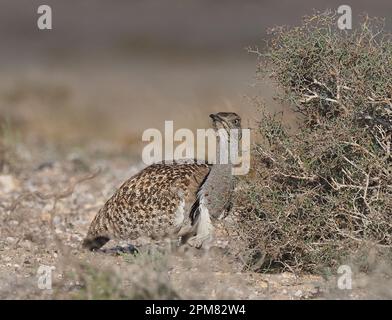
186 231
185 237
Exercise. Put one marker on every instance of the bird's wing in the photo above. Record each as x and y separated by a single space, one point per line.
155 197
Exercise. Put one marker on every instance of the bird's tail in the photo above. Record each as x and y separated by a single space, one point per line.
94 242
98 233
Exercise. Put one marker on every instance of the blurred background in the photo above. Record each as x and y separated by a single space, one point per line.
110 69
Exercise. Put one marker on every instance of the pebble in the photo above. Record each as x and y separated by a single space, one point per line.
10 239
7 184
45 216
76 237
56 220
26 244
298 293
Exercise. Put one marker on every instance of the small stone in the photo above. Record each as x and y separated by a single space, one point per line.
45 216
76 237
26 244
7 184
56 220
10 239
298 293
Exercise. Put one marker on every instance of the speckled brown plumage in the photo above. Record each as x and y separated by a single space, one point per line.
147 203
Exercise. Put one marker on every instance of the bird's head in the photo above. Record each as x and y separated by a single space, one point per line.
226 121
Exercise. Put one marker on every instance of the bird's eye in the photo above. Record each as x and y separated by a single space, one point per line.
236 121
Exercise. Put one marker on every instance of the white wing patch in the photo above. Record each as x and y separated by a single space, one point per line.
204 225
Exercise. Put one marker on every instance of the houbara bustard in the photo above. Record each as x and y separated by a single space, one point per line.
176 199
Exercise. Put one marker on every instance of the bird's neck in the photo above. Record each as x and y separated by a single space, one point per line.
218 185
226 151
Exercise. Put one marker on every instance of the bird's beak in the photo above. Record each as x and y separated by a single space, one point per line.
214 117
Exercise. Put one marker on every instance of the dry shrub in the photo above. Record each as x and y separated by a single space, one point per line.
324 193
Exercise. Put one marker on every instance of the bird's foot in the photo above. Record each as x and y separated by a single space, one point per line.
199 241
